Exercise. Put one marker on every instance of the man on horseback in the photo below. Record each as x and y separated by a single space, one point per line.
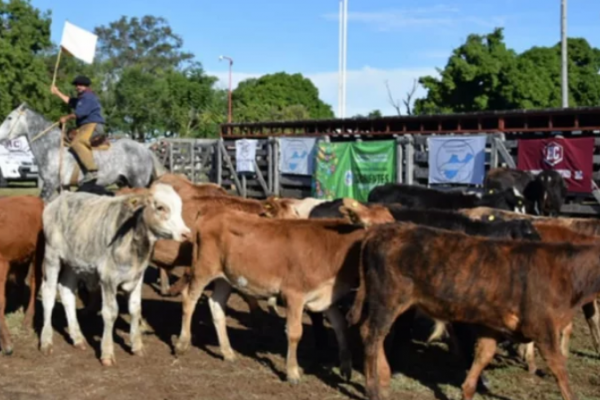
89 121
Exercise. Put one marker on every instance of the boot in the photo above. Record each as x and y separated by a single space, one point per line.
90 177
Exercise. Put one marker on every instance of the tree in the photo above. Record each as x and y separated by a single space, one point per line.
483 74
279 96
148 43
24 35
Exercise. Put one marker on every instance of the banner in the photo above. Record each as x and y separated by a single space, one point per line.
78 42
297 155
353 169
572 158
457 159
245 154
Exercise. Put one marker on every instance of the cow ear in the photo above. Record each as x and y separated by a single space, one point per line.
491 191
350 215
134 203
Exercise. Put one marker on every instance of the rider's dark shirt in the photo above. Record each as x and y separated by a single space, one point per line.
87 108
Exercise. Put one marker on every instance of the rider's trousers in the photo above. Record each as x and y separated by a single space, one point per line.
82 147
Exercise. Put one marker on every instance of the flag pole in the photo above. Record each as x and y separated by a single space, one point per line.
56 66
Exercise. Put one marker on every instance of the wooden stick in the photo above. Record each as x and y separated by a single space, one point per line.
56 66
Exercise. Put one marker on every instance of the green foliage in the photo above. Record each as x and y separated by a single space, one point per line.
24 35
278 97
483 74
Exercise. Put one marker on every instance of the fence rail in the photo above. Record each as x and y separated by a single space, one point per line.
214 160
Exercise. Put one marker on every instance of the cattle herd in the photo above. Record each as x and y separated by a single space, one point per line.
501 266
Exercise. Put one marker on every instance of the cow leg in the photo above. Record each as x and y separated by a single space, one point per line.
295 305
5 341
527 351
135 311
164 281
189 297
67 286
566 337
484 353
51 271
550 351
110 312
338 323
319 330
592 316
217 302
35 277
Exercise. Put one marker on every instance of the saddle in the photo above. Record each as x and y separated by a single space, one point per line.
99 142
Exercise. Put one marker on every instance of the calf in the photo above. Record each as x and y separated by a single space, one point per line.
545 193
309 263
186 188
422 197
106 241
21 246
527 290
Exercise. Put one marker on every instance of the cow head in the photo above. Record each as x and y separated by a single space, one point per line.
360 214
162 208
275 207
549 191
509 200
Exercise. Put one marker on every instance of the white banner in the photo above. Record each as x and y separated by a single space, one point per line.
78 42
245 154
457 159
297 155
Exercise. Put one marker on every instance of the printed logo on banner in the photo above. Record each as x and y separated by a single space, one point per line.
348 178
554 153
296 155
455 160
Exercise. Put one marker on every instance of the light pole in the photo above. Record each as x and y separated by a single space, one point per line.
221 58
564 59
343 45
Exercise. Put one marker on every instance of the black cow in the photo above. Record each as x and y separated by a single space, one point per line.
422 197
443 219
544 193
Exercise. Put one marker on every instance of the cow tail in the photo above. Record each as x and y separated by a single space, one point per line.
355 312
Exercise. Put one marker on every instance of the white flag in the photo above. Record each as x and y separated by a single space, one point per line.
78 42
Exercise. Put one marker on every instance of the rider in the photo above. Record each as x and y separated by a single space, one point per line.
89 122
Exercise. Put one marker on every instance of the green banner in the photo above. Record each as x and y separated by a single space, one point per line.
353 169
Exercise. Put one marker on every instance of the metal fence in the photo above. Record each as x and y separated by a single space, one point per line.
213 160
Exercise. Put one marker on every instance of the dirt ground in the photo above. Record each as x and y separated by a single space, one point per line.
424 372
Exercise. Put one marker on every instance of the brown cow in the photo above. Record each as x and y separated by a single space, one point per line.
21 243
309 263
526 290
186 188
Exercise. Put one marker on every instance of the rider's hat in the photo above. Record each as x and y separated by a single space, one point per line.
82 80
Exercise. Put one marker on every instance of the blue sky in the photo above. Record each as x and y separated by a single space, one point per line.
388 40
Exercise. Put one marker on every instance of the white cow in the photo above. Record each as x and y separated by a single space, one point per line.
106 241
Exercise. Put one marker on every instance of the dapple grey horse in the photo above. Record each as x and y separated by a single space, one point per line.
126 159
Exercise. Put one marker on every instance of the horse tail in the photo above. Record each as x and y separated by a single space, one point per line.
158 169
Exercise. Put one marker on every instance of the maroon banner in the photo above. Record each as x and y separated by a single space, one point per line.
572 158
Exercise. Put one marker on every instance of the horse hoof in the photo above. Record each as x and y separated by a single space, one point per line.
139 352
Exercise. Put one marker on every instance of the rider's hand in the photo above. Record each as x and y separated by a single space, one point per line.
54 89
63 120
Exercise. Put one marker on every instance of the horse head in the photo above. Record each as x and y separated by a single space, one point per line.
15 124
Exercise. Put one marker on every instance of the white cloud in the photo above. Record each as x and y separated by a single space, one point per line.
427 17
365 87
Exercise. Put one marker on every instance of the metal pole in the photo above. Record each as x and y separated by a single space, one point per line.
229 114
345 47
564 60
340 57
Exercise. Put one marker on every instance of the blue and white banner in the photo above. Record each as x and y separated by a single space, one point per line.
297 155
245 154
457 159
